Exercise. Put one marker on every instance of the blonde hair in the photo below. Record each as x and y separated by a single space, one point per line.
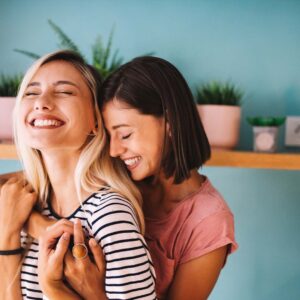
95 168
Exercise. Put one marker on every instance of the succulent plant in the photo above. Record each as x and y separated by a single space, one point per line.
103 59
266 121
218 93
9 85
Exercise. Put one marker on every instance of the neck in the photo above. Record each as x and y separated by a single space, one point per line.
161 197
61 169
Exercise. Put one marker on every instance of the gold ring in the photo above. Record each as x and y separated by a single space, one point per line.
79 251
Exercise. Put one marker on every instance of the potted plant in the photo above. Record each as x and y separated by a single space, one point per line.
219 106
9 85
265 132
102 57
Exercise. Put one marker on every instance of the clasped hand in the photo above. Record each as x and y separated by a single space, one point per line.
85 277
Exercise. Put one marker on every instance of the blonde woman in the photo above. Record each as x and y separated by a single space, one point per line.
62 145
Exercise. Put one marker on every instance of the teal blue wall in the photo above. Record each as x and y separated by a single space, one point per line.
255 44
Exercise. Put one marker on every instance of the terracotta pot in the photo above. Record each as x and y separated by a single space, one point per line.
221 124
6 107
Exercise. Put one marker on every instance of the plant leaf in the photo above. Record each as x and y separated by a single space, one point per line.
28 53
65 41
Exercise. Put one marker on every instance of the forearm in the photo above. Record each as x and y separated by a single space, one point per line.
37 224
10 287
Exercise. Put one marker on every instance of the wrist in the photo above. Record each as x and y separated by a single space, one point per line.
10 241
58 290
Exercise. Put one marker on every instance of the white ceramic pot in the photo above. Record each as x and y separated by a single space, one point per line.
221 124
6 108
265 138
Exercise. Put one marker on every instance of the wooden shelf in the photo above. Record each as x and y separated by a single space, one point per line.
8 151
238 159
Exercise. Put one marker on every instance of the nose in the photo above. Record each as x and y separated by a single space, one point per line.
43 102
116 149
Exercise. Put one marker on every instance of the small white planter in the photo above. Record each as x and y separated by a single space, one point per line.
221 124
6 108
265 138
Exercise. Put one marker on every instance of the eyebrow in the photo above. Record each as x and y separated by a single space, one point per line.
60 82
120 125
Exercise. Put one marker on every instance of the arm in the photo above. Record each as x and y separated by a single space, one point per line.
37 224
196 278
16 202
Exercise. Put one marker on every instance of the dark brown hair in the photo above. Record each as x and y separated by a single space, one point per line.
155 87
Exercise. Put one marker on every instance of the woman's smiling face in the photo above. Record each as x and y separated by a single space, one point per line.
56 109
135 138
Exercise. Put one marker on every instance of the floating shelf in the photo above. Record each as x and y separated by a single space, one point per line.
8 151
238 159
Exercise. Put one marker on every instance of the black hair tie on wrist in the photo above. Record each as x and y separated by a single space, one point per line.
12 252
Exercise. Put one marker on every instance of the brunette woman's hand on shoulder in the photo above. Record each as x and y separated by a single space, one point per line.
5 177
196 278
17 199
86 276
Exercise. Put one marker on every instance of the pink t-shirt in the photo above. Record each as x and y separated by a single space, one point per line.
200 224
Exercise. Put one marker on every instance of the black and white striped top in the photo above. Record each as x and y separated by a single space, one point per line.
111 220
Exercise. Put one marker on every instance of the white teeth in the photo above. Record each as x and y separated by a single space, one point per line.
43 123
131 161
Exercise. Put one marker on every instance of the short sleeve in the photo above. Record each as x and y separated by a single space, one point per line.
207 235
129 270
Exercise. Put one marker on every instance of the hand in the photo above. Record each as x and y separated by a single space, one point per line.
83 275
52 250
17 199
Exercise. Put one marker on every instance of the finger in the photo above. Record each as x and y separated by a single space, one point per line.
54 232
28 187
61 226
13 179
69 259
62 248
78 232
97 254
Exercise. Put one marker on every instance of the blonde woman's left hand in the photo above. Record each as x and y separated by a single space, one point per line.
86 276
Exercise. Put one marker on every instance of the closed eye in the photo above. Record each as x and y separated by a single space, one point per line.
31 94
126 136
65 92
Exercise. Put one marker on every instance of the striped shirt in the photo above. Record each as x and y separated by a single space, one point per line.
111 220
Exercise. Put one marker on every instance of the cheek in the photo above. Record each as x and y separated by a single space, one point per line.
22 114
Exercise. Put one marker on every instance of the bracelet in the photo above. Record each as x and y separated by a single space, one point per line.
12 252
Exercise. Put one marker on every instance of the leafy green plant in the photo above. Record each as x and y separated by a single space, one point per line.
9 85
266 121
103 59
218 93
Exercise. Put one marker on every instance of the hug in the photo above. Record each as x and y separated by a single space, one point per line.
110 203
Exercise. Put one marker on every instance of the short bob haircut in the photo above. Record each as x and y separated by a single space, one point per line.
155 87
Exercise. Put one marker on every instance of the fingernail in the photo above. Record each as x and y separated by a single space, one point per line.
77 221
